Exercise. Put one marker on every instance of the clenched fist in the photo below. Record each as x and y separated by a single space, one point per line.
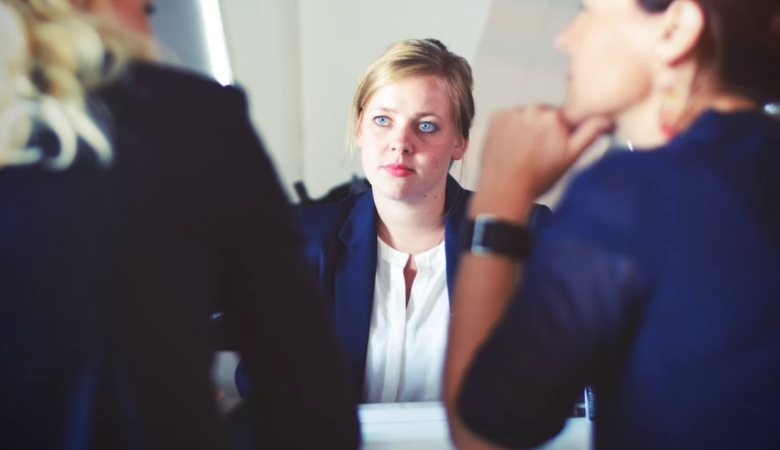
526 151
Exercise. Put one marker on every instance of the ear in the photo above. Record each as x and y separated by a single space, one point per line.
460 149
683 25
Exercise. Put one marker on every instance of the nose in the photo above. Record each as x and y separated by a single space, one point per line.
402 141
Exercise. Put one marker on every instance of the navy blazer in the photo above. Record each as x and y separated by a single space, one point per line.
340 245
658 283
108 276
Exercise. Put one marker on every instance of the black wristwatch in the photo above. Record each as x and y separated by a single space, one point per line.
488 235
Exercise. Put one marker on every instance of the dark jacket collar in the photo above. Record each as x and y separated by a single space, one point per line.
360 226
356 271
361 222
455 205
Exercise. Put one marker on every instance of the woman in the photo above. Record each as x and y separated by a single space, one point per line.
141 202
386 259
657 281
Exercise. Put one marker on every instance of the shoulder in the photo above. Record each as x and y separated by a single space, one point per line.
601 203
318 223
197 137
164 88
458 201
167 114
615 177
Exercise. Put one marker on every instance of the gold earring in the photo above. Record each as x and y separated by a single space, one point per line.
669 112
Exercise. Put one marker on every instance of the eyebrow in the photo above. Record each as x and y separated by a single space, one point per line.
417 116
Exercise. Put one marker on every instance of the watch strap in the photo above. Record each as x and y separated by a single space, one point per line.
487 235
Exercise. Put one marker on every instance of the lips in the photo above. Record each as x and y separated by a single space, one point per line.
398 170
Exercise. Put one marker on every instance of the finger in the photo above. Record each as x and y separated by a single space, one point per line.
584 135
500 117
542 107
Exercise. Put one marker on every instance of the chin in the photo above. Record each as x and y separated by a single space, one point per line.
394 189
394 192
574 114
581 105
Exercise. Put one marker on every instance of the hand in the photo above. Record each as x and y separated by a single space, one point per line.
528 149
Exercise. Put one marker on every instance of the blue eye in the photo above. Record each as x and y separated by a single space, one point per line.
381 121
428 127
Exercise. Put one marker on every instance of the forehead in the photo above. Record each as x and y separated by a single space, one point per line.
414 94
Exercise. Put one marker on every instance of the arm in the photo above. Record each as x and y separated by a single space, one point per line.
285 340
484 286
565 330
559 332
510 180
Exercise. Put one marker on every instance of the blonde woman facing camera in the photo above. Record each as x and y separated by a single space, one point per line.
386 259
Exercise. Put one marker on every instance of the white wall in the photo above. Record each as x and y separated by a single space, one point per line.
263 41
178 28
300 59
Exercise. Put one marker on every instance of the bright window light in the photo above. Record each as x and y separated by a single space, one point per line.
215 41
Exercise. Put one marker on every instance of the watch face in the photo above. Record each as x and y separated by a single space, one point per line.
478 237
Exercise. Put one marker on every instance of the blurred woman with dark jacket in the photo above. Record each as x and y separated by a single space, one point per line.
134 201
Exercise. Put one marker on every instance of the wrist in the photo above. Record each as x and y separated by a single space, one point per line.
508 206
489 235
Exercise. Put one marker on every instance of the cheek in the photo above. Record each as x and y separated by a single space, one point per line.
371 143
370 152
610 73
131 14
440 155
367 158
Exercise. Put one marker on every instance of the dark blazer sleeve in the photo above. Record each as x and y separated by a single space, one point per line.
565 327
287 346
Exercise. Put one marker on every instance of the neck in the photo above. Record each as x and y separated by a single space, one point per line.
412 226
641 125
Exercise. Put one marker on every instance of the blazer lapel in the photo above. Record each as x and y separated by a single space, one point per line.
455 204
355 275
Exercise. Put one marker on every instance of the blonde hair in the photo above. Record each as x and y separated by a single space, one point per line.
416 57
52 55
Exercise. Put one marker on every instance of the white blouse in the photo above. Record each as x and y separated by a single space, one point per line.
406 344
